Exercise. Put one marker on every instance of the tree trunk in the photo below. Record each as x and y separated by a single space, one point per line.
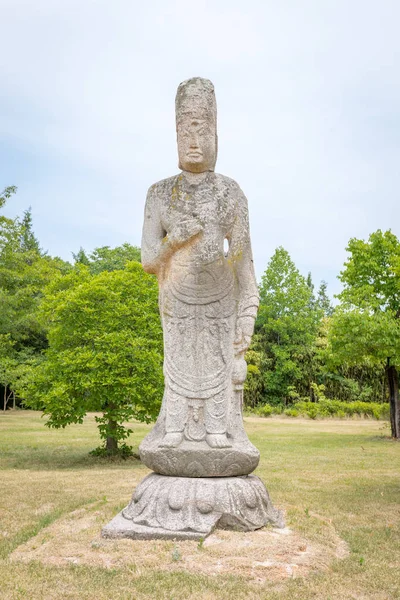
112 442
393 381
5 397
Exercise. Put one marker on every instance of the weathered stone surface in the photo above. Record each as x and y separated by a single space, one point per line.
195 458
208 304
185 461
208 300
190 508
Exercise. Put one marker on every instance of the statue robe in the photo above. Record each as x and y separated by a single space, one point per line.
203 292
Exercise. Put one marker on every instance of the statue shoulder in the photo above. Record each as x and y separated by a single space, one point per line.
228 183
225 181
232 187
162 187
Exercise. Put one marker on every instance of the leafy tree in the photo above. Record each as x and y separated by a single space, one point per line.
5 195
23 276
323 300
310 283
7 364
29 241
286 328
24 272
9 228
253 386
364 380
108 259
105 352
81 258
367 325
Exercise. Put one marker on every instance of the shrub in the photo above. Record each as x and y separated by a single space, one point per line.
291 412
265 410
327 408
335 408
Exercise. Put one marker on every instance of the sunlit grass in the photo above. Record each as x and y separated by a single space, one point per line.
346 472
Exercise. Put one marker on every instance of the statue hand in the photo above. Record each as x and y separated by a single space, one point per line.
184 231
244 332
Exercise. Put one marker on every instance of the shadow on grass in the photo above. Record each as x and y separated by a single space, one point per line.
383 438
46 459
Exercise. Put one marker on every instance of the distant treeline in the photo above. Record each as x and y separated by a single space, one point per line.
86 335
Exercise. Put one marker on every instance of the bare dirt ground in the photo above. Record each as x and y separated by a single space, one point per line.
267 554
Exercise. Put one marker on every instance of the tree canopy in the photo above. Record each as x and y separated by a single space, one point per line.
105 351
108 259
87 337
25 270
286 327
366 326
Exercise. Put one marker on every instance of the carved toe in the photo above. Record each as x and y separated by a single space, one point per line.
218 440
171 440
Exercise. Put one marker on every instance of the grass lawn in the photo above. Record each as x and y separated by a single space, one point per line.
331 475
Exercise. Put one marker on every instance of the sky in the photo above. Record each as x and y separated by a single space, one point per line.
308 96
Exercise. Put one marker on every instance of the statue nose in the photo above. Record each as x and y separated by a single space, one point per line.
194 141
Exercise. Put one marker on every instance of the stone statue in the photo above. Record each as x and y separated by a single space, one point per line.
208 305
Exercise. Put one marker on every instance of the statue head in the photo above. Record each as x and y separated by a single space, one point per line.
196 125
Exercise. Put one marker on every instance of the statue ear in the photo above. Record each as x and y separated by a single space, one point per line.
179 162
212 167
216 150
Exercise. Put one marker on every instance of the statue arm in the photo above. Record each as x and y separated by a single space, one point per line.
152 235
240 254
157 246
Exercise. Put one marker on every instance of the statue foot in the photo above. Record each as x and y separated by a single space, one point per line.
218 440
172 439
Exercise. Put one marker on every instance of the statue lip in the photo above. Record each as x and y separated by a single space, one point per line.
194 154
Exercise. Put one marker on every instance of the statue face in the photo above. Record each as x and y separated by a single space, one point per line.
197 144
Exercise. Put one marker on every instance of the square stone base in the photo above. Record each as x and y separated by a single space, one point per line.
190 508
120 527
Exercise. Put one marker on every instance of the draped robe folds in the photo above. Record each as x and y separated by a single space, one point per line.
203 293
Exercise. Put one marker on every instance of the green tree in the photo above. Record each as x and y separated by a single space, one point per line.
363 380
366 327
323 300
105 351
5 195
29 241
286 329
81 258
108 259
7 364
24 272
253 386
9 228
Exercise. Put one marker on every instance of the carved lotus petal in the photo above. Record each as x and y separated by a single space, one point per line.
249 496
176 499
196 469
182 506
145 485
205 498
232 469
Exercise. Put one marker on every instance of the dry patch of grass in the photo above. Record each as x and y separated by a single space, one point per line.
267 554
338 482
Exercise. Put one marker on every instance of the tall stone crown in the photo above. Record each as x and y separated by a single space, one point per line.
196 96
